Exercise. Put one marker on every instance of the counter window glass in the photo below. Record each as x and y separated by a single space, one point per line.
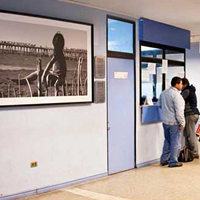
158 65
174 55
151 80
151 52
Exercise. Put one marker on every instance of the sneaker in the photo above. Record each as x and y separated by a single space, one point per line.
164 163
178 164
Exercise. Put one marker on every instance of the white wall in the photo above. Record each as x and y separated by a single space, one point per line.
149 137
193 69
68 142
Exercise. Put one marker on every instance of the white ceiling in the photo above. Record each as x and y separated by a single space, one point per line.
180 13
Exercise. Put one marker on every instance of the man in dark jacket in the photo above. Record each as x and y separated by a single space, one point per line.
191 116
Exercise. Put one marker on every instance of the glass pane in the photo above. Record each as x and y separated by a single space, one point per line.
151 52
120 36
174 71
151 83
174 55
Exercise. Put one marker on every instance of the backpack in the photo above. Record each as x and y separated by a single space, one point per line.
185 155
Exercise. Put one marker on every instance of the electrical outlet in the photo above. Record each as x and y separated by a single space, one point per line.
34 164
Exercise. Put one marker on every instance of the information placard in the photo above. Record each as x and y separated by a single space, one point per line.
99 91
99 71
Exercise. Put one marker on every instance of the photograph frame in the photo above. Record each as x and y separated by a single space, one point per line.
78 56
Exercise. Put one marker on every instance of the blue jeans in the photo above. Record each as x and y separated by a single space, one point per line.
172 144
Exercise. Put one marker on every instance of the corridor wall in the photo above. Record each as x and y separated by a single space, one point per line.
69 142
193 68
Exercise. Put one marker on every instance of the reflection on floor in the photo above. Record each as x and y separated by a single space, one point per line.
148 183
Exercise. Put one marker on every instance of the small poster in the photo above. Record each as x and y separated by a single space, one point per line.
164 66
145 75
152 68
99 87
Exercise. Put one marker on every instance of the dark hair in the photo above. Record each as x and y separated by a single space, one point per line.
58 41
185 81
175 80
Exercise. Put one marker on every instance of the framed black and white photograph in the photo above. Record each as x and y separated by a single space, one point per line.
44 60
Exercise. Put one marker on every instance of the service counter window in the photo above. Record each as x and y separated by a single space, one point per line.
151 80
154 78
174 55
151 52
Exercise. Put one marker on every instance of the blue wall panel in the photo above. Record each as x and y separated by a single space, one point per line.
160 33
151 114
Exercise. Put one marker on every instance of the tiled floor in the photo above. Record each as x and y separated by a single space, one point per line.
148 183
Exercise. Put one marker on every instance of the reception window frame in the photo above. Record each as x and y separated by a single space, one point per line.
171 63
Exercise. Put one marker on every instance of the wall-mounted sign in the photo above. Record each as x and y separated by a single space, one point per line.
145 75
121 75
99 71
99 92
152 68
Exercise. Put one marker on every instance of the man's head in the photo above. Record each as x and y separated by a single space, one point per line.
177 83
185 82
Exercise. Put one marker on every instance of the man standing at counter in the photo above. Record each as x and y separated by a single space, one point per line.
172 106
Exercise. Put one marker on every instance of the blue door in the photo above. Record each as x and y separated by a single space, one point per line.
120 115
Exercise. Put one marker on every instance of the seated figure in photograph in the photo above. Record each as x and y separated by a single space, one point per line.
57 64
54 73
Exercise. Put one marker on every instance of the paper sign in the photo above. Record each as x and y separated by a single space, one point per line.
164 66
145 75
152 68
121 75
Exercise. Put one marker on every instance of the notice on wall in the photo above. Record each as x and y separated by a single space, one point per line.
145 75
99 69
152 68
164 66
99 89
